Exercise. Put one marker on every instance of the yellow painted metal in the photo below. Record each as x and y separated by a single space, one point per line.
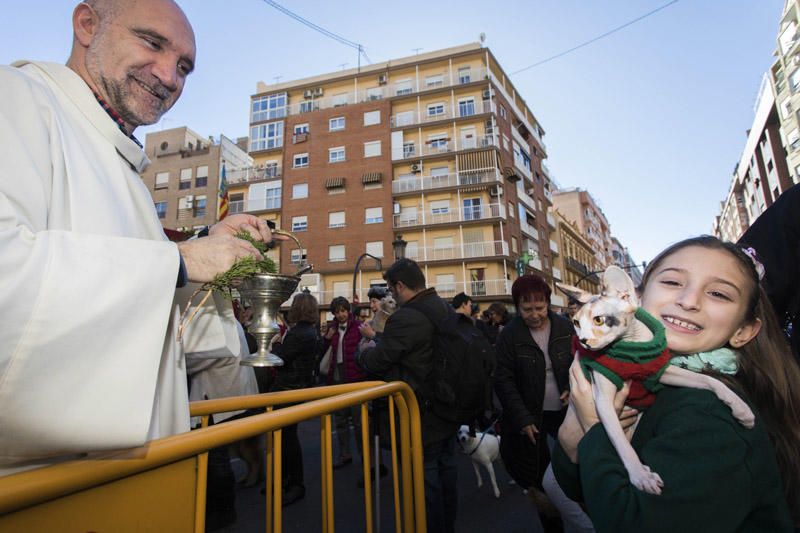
268 486
155 500
277 500
395 480
328 469
324 458
365 456
202 486
43 487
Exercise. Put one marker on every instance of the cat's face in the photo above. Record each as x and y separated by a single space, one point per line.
602 320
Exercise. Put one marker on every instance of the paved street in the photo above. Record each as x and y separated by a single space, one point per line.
478 511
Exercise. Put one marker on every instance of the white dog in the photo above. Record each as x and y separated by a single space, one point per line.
483 448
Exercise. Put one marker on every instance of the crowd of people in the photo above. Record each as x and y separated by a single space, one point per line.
75 219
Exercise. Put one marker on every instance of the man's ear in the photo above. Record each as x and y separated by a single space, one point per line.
745 334
85 23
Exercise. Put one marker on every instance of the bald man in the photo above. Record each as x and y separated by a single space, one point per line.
88 354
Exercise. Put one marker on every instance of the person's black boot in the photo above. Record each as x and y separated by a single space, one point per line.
292 494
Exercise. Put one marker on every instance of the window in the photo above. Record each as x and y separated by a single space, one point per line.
161 209
438 143
436 110
446 284
373 215
162 180
512 210
300 161
300 190
336 253
372 149
443 248
375 248
403 87
300 223
374 93
336 219
372 117
236 203
266 136
201 179
466 107
336 155
186 179
408 149
200 206
472 208
336 124
464 75
342 288
339 99
503 112
440 176
268 107
403 118
300 129
308 106
440 207
297 256
437 80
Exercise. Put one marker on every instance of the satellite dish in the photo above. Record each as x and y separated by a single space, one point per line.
483 37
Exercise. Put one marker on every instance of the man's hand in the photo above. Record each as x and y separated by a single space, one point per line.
367 331
206 257
564 398
581 397
253 225
531 431
330 332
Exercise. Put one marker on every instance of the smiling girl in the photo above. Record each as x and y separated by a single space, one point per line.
718 475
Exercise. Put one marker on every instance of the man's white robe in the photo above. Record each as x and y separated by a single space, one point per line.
88 356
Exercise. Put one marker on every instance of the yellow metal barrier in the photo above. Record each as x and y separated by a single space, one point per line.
161 486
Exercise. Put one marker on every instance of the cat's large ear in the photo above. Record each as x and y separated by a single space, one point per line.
618 284
575 293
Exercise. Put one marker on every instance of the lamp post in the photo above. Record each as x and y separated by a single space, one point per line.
399 247
355 271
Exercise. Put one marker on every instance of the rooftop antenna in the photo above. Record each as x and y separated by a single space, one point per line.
277 79
416 50
342 65
482 37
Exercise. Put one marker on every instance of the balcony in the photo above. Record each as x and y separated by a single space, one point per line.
417 85
426 183
527 200
535 263
548 195
451 215
256 204
251 174
459 251
551 220
554 247
442 146
529 229
557 273
412 118
488 287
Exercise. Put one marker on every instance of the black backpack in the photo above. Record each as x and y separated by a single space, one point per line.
459 387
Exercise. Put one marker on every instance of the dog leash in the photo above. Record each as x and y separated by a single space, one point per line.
483 435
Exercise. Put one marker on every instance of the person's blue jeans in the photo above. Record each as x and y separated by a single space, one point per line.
441 476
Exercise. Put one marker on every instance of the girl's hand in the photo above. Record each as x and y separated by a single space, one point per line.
367 331
570 434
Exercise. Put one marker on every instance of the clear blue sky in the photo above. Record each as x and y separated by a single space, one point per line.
650 120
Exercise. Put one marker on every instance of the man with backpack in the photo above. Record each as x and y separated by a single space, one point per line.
415 348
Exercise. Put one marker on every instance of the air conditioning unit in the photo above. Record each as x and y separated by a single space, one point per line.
318 91
496 191
189 201
416 167
487 94
396 208
308 93
382 79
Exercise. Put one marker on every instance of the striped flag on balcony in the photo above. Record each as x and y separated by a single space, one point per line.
222 210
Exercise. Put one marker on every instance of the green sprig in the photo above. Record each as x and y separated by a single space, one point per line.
243 268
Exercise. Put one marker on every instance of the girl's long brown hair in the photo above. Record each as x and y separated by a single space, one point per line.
768 373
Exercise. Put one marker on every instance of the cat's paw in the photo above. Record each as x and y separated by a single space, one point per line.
647 481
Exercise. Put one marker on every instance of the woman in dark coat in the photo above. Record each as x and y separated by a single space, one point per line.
298 349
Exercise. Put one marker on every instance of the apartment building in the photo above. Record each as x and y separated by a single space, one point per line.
785 77
623 259
184 173
436 148
579 207
577 263
761 175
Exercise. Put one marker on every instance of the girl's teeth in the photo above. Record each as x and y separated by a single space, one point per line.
682 324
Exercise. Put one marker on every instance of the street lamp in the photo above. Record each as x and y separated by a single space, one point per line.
355 271
399 247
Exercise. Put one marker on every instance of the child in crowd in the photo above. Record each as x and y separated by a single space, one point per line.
718 475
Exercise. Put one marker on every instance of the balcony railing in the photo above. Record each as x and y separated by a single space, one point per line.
458 251
459 110
257 204
488 287
554 247
557 273
527 228
413 151
535 263
527 200
249 174
548 195
421 218
425 183
551 220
